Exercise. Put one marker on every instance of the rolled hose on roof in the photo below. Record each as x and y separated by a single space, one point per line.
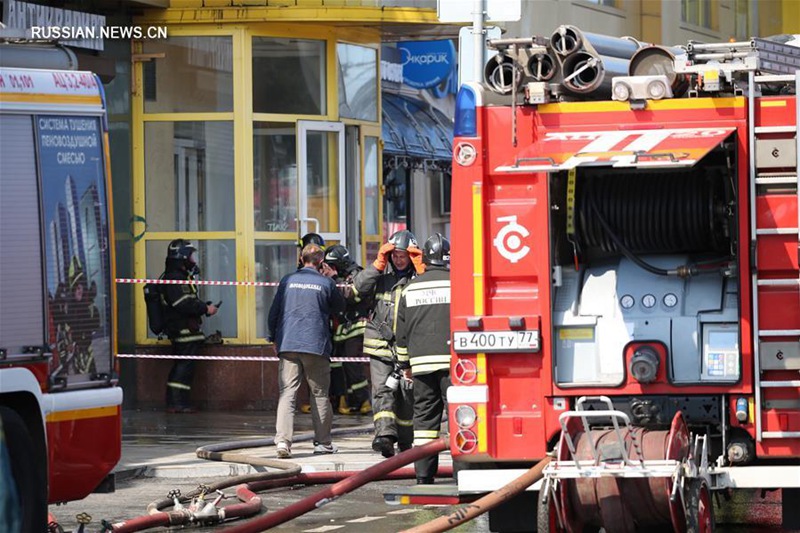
654 60
586 73
567 40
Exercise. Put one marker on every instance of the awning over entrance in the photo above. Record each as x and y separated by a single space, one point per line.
652 148
414 129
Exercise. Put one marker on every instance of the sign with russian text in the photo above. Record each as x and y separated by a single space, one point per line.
427 64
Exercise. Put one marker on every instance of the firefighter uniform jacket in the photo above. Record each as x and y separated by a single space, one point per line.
184 309
423 323
353 321
385 289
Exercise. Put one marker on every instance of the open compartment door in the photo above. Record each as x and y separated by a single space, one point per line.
651 148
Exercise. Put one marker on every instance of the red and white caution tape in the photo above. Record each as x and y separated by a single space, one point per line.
204 282
198 282
230 357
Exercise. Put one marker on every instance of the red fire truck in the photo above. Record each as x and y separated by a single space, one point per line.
59 399
626 251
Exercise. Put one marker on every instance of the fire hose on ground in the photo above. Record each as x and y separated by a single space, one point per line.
289 474
484 504
341 488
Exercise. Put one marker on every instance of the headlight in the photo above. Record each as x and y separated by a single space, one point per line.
465 416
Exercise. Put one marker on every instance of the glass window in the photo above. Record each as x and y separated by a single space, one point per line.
608 3
358 81
217 262
696 12
371 196
288 76
196 74
395 200
190 186
743 17
275 177
274 259
322 194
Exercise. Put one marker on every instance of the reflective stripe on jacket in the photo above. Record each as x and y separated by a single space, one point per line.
423 323
385 289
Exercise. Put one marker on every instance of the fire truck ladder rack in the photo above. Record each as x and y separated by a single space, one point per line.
624 467
771 179
715 61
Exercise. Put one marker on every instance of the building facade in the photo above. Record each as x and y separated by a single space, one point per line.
255 122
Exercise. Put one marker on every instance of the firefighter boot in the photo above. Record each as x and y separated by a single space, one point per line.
178 401
345 409
384 445
366 408
305 408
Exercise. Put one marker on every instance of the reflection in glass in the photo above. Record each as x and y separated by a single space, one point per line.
358 81
371 169
217 261
288 76
189 187
195 74
274 259
274 177
323 179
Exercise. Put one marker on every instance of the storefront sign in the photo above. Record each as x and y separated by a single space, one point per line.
71 28
391 66
427 64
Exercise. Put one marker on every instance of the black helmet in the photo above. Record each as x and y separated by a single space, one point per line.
338 257
436 251
403 239
181 249
311 238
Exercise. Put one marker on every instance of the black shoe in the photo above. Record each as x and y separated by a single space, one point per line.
424 481
384 445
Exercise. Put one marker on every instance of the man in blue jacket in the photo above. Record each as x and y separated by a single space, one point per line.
299 325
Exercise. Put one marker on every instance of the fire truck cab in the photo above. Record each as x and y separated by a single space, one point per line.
60 418
626 252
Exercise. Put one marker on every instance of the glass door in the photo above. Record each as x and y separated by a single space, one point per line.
321 183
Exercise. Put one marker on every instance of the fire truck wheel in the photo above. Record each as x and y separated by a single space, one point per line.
699 508
546 520
30 478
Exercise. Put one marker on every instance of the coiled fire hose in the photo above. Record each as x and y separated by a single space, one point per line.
328 494
288 475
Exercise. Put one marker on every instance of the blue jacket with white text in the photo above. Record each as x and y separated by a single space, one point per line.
299 319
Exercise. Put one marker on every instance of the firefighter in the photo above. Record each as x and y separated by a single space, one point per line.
183 316
382 282
348 335
423 348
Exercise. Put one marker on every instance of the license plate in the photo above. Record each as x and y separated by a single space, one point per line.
496 341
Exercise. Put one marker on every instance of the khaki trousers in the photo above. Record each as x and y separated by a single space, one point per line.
317 371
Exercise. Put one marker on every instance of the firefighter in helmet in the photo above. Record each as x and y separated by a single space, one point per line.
348 335
423 350
183 315
77 318
398 261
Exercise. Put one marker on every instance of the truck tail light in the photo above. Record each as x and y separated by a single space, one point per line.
466 417
466 441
